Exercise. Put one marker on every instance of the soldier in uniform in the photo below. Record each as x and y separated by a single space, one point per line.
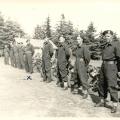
21 55
80 76
47 53
29 52
63 55
6 55
109 70
12 59
16 54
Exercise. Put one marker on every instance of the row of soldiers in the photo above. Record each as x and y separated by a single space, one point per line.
20 56
77 60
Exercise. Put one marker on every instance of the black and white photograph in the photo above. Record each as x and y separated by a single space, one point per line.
59 59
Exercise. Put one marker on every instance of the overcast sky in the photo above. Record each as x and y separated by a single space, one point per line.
28 13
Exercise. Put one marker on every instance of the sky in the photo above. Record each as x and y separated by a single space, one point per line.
105 14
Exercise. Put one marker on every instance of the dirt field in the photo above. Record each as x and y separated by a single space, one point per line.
34 98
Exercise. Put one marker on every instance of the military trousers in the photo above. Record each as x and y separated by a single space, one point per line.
22 62
79 76
12 59
6 58
46 69
17 60
62 72
108 81
28 63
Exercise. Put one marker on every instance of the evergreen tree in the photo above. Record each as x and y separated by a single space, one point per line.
39 32
65 28
12 30
90 32
48 27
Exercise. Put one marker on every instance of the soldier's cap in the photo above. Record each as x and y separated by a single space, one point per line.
107 32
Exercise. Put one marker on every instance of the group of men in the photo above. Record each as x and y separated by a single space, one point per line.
77 60
19 55
74 60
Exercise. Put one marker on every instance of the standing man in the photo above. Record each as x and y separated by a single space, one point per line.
12 59
6 55
47 53
109 70
21 55
29 51
16 54
80 76
63 55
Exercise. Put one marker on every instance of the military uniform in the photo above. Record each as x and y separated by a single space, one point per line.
109 70
29 51
47 54
12 59
16 56
63 55
6 55
80 76
21 57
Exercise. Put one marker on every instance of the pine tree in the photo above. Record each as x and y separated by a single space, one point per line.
90 32
65 28
40 32
48 27
13 30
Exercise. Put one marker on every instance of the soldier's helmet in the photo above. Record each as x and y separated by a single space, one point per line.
107 32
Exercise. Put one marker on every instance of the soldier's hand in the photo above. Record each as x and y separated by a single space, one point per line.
119 74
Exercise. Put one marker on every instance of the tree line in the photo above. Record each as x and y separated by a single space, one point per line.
10 29
66 28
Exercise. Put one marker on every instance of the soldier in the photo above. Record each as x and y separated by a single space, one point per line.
6 55
21 55
47 53
80 76
12 59
16 54
29 51
63 55
109 70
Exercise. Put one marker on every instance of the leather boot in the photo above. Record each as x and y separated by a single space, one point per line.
65 85
114 109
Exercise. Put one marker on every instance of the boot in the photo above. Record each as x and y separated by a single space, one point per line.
61 84
102 103
72 88
114 109
65 85
85 94
48 81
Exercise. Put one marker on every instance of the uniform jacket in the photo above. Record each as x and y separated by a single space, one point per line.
29 49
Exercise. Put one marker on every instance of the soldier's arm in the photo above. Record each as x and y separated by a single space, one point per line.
67 52
32 49
51 50
86 55
56 54
117 53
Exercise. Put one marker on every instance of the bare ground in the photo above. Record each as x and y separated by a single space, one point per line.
34 98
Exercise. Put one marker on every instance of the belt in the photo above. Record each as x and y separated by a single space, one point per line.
109 62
